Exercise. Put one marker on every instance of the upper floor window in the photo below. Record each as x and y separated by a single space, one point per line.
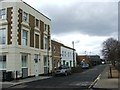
36 41
2 36
45 61
46 43
2 14
54 49
25 16
37 23
24 38
46 27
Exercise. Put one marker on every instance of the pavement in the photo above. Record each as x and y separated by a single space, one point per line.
9 84
106 82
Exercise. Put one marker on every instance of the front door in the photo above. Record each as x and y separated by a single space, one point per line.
36 69
36 66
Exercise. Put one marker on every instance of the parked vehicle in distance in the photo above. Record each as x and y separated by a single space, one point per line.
85 66
63 70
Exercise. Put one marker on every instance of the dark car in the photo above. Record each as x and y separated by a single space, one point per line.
85 66
63 70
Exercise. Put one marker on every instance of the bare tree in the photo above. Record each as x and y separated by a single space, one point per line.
111 50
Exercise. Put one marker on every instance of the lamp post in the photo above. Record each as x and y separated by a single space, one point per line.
73 54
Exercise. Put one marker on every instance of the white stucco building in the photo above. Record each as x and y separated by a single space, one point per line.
25 40
68 56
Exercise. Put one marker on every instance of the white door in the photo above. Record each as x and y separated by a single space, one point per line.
36 66
36 69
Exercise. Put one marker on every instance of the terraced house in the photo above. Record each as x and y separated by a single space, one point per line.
62 55
56 54
25 40
68 56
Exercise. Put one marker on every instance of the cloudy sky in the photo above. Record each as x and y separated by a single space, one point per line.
86 22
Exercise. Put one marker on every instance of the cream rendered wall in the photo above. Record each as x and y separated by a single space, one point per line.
13 51
70 57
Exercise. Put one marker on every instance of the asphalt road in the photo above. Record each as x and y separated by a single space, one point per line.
76 81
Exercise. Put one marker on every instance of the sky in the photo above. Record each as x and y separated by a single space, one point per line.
86 22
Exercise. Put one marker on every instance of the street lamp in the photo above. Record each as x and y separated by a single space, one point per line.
73 43
73 54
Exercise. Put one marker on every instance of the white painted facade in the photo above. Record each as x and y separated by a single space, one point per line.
67 56
14 52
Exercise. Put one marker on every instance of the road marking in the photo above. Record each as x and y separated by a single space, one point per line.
93 83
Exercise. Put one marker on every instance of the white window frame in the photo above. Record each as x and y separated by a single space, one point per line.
23 38
36 58
45 43
3 62
36 23
39 39
45 61
25 17
1 37
24 60
46 27
3 15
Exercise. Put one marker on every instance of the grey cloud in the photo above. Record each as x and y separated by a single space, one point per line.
92 18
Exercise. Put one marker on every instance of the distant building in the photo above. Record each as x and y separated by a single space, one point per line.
90 59
83 58
95 59
62 55
24 40
56 54
68 56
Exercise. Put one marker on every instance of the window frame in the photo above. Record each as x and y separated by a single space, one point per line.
25 17
24 61
46 43
3 15
37 23
3 62
3 36
24 39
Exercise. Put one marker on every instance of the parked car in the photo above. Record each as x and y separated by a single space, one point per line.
62 70
85 66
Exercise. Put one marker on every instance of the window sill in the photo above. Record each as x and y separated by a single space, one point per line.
26 24
3 22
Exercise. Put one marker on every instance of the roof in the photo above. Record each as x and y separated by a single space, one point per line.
63 45
26 4
36 10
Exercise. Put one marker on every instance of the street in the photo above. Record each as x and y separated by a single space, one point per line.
75 81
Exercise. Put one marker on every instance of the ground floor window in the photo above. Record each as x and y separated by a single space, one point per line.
2 62
45 61
70 63
24 61
63 62
67 63
36 58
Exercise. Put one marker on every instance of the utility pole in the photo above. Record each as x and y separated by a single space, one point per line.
73 54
